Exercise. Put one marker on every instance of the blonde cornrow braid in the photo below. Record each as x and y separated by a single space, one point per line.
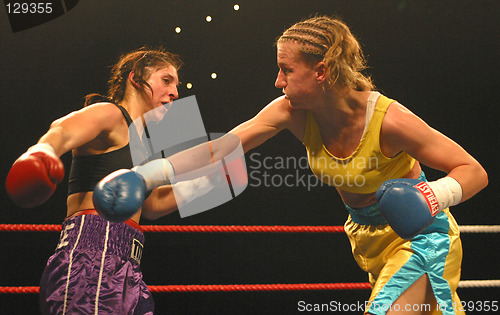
307 37
313 25
311 32
306 41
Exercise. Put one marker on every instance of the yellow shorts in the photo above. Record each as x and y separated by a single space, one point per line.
394 264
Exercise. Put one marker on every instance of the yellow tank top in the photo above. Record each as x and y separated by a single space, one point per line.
366 168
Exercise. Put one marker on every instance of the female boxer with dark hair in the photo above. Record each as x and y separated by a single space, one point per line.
95 268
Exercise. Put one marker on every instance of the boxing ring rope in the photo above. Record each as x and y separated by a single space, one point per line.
232 228
263 287
245 229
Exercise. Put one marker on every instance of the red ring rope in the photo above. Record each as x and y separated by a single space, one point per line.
243 228
233 228
263 287
192 228
226 287
258 287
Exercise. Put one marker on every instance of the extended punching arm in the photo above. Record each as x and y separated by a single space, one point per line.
194 172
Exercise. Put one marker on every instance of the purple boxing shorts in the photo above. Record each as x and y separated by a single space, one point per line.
95 270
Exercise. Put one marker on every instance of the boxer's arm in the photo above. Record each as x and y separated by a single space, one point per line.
275 117
164 201
272 119
199 160
404 131
80 127
122 193
410 205
161 202
33 177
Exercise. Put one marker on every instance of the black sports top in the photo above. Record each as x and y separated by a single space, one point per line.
87 170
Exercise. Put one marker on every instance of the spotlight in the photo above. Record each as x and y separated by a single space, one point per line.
214 75
209 18
236 7
189 86
177 30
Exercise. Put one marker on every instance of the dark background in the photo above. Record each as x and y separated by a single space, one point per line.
438 58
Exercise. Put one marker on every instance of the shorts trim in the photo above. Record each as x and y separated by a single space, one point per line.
70 263
101 269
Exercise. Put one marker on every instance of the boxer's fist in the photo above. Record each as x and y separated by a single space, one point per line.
119 195
408 205
33 177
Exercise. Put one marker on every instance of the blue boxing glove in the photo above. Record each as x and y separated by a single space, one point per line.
411 205
119 195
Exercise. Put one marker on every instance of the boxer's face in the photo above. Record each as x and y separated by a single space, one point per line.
296 77
163 82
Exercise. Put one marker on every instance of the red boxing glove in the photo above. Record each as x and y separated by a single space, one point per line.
34 175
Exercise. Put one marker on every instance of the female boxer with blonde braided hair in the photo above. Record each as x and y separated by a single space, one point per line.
95 268
369 148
